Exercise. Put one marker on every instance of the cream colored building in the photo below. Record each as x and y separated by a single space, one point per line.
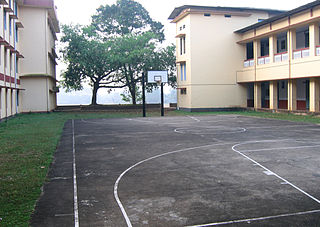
243 57
27 56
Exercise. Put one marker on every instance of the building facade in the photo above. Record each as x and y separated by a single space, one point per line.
242 57
27 56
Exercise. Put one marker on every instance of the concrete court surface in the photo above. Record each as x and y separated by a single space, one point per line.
215 170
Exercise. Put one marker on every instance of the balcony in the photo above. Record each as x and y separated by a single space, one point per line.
318 50
280 57
301 53
248 63
263 60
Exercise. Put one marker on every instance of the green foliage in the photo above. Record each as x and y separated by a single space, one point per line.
126 96
89 60
122 43
125 17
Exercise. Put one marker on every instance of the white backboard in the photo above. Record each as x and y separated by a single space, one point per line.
155 76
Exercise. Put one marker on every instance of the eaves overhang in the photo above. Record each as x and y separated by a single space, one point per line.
279 17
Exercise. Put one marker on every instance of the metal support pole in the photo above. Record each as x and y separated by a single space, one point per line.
143 96
162 101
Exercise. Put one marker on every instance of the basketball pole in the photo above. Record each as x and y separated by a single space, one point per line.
162 100
143 97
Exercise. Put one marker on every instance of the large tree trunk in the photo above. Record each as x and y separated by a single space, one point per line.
94 94
133 93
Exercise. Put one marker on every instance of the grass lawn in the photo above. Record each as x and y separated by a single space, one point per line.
28 142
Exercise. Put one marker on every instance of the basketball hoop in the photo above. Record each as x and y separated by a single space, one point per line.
158 80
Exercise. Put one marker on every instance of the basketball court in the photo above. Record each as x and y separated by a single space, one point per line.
209 170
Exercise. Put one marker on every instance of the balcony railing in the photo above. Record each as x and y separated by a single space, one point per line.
318 50
263 60
301 53
248 63
280 57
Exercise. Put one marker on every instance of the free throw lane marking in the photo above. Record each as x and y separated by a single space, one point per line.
115 188
257 219
75 190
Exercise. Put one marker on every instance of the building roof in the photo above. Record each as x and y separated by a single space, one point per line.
176 12
279 17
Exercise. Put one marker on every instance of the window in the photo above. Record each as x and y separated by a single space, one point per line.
17 65
5 59
10 26
182 45
207 15
16 34
264 45
282 43
227 16
183 91
250 50
5 20
15 8
183 71
10 63
306 39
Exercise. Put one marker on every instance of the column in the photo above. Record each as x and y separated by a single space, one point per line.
257 95
314 38
292 95
272 47
9 102
292 41
2 103
314 95
14 101
273 88
256 51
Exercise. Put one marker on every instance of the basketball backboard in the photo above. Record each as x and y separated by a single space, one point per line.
157 76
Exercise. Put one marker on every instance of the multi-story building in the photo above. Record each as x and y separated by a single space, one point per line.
242 57
27 56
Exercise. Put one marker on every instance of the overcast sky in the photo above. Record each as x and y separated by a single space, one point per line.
80 11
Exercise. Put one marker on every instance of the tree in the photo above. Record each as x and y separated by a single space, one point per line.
89 61
136 36
121 44
123 18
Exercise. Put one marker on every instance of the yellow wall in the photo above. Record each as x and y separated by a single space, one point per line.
213 58
33 41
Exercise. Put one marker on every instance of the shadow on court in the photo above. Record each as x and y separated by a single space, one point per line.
219 170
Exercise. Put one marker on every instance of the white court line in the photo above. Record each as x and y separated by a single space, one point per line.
257 219
115 188
75 190
280 148
265 168
205 131
194 118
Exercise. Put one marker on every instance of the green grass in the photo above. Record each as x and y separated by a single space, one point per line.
28 142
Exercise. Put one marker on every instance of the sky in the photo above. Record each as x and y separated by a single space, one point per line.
80 11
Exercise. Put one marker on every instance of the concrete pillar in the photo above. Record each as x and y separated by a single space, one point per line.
272 47
9 113
314 38
257 95
292 41
2 103
314 95
14 101
273 88
292 95
256 51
